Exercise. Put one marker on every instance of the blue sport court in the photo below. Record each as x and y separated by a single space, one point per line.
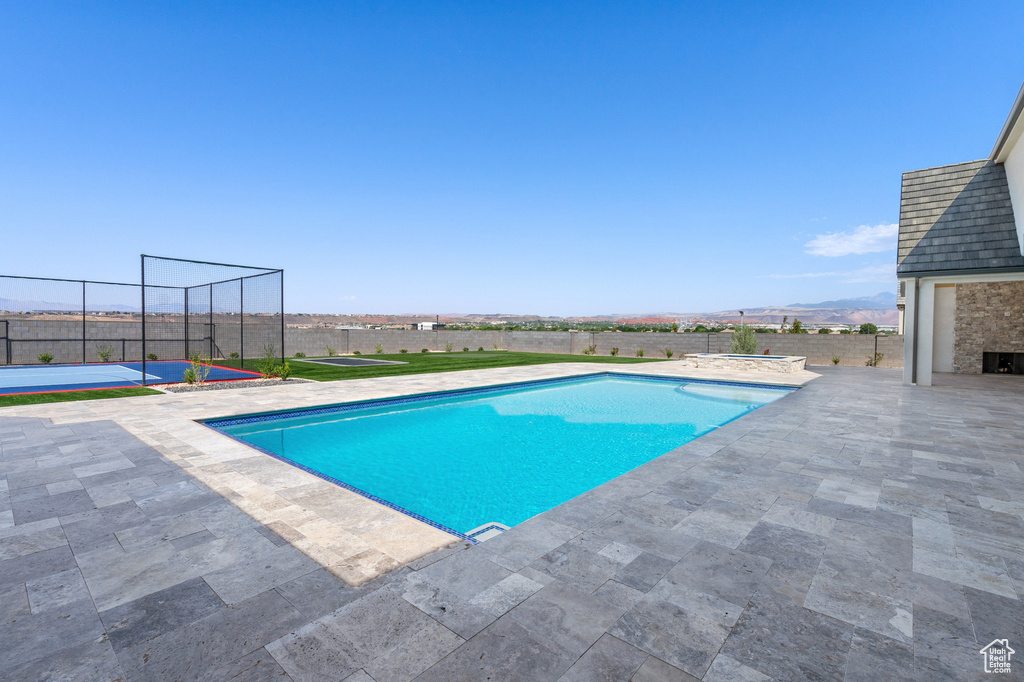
50 378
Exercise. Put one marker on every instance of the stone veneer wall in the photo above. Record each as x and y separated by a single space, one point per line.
981 322
746 364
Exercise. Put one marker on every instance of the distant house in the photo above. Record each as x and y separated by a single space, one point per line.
960 262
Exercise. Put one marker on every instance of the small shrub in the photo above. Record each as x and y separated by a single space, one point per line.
874 360
480 348
284 371
744 341
615 351
590 350
300 354
104 353
465 349
835 359
668 353
639 352
267 361
378 349
331 352
448 347
197 371
45 358
424 350
824 331
402 350
356 352
495 346
845 331
232 355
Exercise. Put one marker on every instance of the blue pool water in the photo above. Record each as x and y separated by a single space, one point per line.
500 455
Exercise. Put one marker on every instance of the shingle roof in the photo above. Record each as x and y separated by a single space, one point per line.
957 218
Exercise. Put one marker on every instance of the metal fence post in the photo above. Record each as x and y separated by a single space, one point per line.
143 320
241 321
83 322
282 317
186 323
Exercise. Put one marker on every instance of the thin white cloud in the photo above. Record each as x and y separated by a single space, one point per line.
347 298
863 239
871 273
801 275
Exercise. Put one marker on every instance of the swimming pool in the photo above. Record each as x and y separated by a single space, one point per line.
465 459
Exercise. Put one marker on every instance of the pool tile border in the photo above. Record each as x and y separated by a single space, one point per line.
217 422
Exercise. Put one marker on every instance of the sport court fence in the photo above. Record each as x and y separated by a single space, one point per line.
182 308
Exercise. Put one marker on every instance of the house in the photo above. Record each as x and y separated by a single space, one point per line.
960 262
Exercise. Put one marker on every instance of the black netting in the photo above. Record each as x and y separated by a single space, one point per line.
113 322
221 311
59 321
183 309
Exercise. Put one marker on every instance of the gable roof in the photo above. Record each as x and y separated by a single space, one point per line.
957 219
1012 130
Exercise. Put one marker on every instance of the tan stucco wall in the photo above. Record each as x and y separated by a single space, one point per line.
989 317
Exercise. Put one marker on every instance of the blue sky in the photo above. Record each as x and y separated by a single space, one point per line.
552 158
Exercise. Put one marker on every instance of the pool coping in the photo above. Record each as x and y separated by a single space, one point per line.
255 418
351 536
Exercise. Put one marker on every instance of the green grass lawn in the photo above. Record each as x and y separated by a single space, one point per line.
71 396
428 363
417 363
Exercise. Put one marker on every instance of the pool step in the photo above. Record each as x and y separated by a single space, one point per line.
487 531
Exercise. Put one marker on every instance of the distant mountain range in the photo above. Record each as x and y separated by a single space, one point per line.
19 306
879 309
886 299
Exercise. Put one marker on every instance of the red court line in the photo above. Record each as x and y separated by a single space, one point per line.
76 390
113 388
233 369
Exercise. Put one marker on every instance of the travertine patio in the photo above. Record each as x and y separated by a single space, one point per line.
854 530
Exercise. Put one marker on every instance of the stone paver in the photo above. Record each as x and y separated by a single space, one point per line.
856 529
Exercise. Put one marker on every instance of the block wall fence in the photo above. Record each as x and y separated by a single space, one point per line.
26 339
819 349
